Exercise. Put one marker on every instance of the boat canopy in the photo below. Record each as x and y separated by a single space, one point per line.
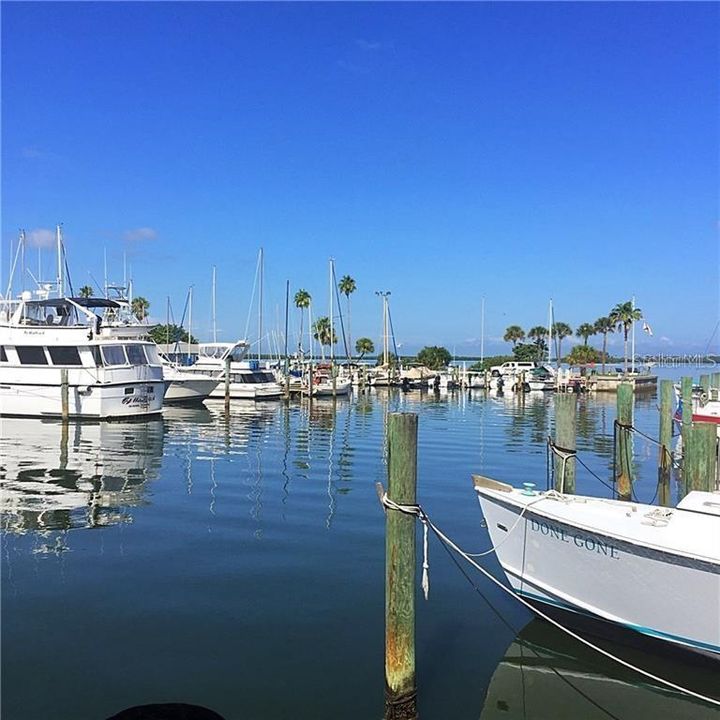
90 302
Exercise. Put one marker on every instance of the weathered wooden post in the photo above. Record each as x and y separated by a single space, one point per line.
400 693
64 394
665 453
686 385
227 384
624 443
700 458
565 439
705 382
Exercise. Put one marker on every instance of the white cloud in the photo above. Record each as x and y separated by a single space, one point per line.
368 44
41 238
141 234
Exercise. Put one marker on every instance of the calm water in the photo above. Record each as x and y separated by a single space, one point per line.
238 563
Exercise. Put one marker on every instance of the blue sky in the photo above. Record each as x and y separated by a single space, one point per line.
443 152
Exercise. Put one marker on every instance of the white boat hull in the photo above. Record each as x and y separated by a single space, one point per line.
248 391
91 401
190 389
614 561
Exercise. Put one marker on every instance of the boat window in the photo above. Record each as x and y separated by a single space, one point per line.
267 377
135 354
3 354
31 355
64 355
113 355
153 357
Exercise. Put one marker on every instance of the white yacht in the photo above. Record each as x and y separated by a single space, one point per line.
184 386
106 376
609 560
247 380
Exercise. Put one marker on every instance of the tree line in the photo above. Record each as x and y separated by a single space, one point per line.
620 318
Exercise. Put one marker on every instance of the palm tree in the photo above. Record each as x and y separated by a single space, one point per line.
537 335
604 325
561 330
585 331
86 291
623 315
324 333
347 287
513 334
364 346
302 302
140 307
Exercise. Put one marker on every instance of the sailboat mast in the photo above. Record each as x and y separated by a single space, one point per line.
60 278
287 317
260 304
189 339
332 351
482 331
386 344
550 311
214 318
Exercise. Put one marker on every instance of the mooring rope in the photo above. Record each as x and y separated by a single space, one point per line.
418 511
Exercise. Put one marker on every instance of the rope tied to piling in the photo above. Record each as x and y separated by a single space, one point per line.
419 513
564 454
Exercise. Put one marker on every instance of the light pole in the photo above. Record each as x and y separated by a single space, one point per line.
384 295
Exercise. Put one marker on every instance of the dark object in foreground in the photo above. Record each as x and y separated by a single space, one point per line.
167 711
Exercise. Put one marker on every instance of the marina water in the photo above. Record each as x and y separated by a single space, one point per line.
237 563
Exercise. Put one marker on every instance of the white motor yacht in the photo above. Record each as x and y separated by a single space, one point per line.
184 386
247 380
44 341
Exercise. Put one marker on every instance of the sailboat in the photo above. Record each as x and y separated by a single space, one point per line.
326 383
248 381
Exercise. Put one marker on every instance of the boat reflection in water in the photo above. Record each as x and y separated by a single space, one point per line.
59 476
546 675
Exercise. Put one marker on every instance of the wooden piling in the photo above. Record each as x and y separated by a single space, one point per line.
625 399
667 396
686 384
400 692
699 471
227 384
565 434
705 382
64 394
715 380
